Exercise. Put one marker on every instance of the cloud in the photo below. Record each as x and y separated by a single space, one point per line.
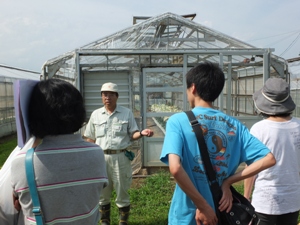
34 31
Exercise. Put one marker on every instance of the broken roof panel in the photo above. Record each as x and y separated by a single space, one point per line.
166 31
160 36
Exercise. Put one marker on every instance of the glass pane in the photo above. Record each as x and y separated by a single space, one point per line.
158 125
250 108
164 79
164 102
249 86
242 87
258 83
241 105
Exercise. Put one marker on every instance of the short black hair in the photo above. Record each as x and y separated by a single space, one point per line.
208 79
264 115
56 107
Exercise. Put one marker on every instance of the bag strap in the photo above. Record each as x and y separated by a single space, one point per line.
210 173
37 211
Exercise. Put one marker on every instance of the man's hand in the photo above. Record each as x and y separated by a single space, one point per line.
206 216
16 203
226 200
147 132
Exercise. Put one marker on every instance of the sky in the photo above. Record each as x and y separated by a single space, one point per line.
34 31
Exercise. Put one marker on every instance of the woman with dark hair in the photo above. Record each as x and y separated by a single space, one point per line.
69 172
56 107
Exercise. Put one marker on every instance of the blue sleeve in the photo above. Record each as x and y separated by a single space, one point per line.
254 149
173 142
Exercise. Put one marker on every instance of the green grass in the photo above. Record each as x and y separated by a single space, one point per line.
150 197
150 200
7 144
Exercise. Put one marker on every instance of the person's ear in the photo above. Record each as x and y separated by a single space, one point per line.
193 88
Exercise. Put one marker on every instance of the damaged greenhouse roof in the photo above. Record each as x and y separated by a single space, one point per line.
164 34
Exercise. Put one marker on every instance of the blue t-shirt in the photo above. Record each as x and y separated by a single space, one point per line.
229 143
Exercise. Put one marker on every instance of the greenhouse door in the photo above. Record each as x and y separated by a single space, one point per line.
163 95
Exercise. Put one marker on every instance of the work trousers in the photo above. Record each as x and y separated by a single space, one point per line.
119 172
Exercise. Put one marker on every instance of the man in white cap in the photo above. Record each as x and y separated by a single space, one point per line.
276 194
113 127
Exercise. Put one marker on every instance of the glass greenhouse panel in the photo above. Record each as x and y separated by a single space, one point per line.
249 86
242 87
258 83
241 105
164 102
2 116
249 106
164 79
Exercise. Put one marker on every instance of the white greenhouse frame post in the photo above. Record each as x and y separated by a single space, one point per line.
266 64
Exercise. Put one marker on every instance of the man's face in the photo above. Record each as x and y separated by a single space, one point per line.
109 98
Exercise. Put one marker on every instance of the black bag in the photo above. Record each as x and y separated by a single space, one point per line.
242 212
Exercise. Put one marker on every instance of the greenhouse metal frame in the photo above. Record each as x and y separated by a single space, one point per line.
148 61
8 75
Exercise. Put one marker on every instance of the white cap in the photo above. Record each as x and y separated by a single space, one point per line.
109 87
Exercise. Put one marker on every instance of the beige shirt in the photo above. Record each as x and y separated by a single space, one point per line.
111 131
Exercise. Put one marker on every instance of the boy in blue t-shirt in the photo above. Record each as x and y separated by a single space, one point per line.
228 141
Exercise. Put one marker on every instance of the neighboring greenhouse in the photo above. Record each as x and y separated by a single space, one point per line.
148 61
294 70
7 114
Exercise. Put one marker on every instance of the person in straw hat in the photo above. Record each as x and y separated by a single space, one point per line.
276 194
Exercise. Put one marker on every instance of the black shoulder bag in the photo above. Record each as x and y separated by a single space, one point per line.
242 212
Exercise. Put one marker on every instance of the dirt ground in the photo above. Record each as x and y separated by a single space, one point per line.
137 182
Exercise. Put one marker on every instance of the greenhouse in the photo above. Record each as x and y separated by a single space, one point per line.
148 61
294 71
8 75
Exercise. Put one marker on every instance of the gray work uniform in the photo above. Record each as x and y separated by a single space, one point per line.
113 132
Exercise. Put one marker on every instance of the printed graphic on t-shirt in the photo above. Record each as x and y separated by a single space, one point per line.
217 131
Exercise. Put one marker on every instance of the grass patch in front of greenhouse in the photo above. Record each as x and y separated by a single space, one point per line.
150 197
7 145
150 200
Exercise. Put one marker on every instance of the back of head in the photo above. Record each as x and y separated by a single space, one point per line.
56 107
208 79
